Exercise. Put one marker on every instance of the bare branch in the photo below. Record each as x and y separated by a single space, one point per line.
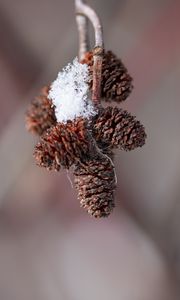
82 25
85 10
97 75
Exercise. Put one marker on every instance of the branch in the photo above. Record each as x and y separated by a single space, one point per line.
85 10
82 25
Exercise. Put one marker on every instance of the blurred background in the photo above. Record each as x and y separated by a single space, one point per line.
49 247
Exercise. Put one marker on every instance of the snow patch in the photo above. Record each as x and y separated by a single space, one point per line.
69 93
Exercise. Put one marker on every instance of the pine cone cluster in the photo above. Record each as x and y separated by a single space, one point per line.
40 115
116 83
87 145
95 183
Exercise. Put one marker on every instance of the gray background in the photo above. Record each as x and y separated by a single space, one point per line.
49 247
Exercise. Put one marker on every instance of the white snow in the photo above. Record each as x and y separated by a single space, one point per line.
69 93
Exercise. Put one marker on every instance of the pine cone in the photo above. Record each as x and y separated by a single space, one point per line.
63 145
95 183
40 116
103 146
116 82
114 127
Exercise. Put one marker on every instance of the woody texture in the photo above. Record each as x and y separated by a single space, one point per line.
85 143
116 83
63 145
116 128
95 183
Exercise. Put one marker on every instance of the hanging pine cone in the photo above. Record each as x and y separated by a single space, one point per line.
40 116
95 183
115 127
63 145
116 82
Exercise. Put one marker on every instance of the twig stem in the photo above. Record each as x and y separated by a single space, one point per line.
82 25
83 9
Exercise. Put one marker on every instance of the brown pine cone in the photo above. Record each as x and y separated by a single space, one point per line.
116 82
63 145
95 183
115 127
40 115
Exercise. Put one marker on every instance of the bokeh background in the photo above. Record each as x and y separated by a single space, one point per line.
49 247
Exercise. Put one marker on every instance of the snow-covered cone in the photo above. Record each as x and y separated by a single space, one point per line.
69 93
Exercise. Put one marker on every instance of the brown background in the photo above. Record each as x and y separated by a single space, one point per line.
50 248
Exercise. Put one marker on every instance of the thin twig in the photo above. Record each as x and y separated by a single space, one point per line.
86 10
82 25
97 75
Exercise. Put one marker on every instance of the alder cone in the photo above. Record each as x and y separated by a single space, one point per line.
95 183
63 145
116 83
40 115
116 128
